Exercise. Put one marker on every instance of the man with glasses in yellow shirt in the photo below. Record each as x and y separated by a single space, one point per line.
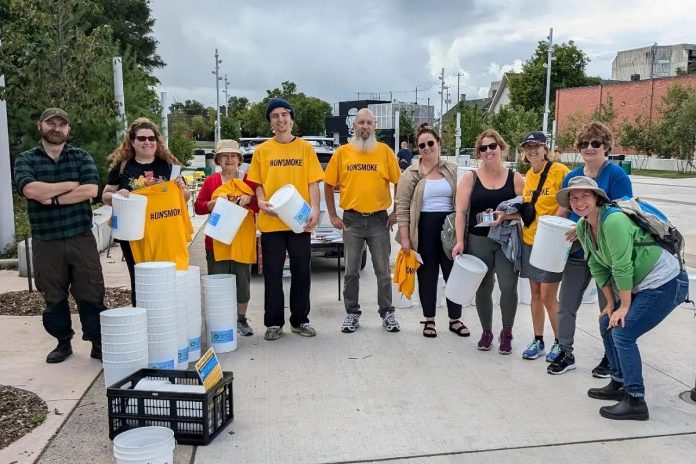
363 169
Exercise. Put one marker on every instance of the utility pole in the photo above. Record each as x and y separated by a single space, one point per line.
442 95
119 96
227 98
416 95
165 120
7 223
447 99
458 74
652 61
217 95
549 59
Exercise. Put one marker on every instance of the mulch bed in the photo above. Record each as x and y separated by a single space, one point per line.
20 412
26 303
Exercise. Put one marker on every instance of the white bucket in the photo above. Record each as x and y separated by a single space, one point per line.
590 296
109 337
292 209
218 280
145 445
465 278
550 249
124 356
117 370
119 316
222 332
399 301
128 216
524 291
194 313
691 294
155 268
225 220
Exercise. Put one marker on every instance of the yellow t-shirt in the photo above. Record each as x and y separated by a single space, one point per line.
243 246
274 165
546 204
405 272
364 177
168 226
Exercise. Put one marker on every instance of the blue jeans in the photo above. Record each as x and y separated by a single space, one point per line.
648 308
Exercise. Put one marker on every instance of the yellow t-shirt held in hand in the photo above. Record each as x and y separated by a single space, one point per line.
364 177
243 246
168 227
405 271
274 165
546 204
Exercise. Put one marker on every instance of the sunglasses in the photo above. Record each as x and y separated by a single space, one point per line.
594 143
149 138
490 146
430 143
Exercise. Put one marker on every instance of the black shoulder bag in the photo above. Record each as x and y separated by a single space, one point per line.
527 210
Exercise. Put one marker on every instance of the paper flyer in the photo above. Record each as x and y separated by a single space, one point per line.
209 370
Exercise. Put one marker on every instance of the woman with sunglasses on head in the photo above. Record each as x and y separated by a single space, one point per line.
594 141
424 198
641 282
542 181
141 153
482 193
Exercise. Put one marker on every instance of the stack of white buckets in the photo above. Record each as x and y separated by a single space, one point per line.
155 289
124 342
220 297
145 445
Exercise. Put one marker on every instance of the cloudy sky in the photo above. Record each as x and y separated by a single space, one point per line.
333 49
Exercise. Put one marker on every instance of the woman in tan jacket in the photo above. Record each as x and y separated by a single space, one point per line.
425 197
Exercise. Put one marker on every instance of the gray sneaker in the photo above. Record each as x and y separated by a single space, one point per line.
305 330
273 333
244 328
390 323
350 323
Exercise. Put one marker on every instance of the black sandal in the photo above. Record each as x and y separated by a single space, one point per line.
462 331
429 329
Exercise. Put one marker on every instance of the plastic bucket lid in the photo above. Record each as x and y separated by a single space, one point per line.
144 439
466 276
225 220
128 216
152 266
292 209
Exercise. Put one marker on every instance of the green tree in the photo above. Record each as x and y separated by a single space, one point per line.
407 126
528 88
513 123
180 143
229 128
473 121
310 113
676 128
199 126
189 108
237 105
131 24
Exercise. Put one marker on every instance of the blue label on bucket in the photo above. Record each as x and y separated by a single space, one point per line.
162 364
303 214
222 336
214 218
114 222
194 344
183 354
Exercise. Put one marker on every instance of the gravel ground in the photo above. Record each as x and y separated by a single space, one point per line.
20 412
25 303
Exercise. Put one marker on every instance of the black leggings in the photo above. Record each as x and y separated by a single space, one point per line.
130 263
434 259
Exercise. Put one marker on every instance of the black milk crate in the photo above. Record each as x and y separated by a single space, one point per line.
195 418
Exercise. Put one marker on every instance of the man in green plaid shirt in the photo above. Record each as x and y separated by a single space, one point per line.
59 180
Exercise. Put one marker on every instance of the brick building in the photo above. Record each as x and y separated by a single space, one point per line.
630 99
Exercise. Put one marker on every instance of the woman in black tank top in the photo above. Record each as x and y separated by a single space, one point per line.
492 184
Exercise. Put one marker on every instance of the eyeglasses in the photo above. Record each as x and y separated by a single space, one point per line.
490 146
430 143
149 138
594 143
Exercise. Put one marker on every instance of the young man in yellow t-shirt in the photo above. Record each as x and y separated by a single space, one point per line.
285 159
364 168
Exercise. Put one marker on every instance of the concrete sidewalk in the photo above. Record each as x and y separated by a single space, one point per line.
374 396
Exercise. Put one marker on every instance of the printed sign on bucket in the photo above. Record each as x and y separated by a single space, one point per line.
214 218
162 364
194 344
114 222
222 336
303 214
183 355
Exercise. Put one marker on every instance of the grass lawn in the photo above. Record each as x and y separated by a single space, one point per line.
664 174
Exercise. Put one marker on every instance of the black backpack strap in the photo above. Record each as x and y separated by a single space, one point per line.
542 180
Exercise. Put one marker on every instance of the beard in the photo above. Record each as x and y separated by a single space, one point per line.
54 137
364 144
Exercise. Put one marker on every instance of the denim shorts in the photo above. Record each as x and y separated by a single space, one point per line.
534 273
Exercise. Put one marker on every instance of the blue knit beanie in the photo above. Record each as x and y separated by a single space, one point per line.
278 103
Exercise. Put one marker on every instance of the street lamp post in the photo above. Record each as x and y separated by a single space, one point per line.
549 59
217 95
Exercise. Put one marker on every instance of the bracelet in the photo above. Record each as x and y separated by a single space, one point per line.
54 201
